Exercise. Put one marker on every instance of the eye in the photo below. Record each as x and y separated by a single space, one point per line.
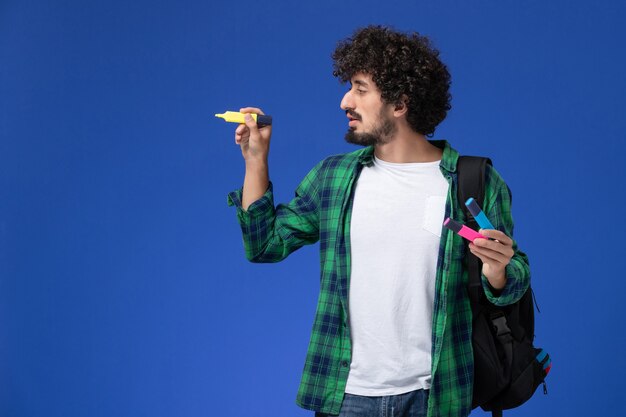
357 90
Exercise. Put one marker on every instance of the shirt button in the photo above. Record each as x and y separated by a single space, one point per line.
344 364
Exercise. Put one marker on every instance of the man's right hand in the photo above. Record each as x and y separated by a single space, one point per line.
255 146
254 142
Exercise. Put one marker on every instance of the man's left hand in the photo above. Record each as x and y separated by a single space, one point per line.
495 255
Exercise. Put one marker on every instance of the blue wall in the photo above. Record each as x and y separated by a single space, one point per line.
123 286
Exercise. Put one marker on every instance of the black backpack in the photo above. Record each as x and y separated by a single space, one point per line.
507 367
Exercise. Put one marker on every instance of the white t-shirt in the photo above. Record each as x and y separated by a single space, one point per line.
395 230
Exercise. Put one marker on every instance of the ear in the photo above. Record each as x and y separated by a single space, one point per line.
402 106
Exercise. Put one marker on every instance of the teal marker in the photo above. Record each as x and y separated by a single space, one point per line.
478 214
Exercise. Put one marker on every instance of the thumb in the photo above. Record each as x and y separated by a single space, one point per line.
251 123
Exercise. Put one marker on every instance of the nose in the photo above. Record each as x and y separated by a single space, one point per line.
346 101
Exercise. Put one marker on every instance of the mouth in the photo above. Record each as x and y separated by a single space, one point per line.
352 119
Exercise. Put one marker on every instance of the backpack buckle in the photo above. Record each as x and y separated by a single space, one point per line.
500 325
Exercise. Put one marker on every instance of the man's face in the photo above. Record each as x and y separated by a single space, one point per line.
370 119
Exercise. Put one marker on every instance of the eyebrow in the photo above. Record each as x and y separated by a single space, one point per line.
360 82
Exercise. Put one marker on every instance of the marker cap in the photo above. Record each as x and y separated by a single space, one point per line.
478 214
263 120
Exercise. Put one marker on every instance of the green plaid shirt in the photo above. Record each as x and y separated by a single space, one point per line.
321 211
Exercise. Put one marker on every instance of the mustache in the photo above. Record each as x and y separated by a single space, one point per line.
353 114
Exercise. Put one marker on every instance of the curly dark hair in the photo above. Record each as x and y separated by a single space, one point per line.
400 64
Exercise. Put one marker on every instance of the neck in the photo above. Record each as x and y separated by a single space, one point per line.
408 146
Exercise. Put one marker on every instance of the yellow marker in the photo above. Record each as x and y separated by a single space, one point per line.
236 117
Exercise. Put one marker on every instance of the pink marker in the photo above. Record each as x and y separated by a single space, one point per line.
462 230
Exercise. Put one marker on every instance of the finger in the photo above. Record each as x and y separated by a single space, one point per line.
241 129
480 256
251 110
484 259
494 246
242 132
241 138
489 256
497 235
252 126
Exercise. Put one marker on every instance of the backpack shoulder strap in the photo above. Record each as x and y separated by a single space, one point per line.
471 183
471 179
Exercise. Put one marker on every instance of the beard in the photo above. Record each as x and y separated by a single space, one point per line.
380 135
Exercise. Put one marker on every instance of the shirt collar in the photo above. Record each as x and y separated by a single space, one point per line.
448 160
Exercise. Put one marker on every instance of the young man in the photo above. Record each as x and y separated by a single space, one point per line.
392 331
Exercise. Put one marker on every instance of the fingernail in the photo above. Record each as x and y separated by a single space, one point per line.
247 117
